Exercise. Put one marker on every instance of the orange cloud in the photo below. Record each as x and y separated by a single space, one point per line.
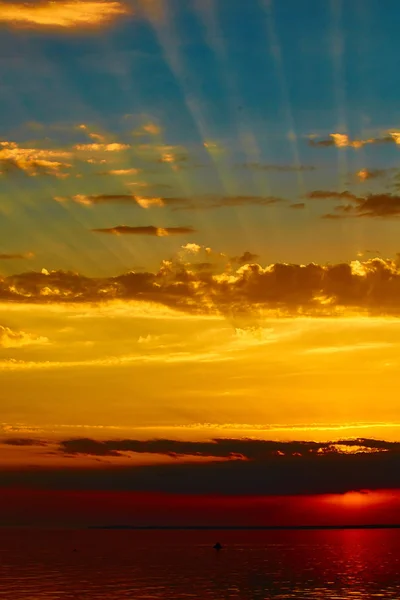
143 201
17 339
33 161
63 14
112 147
365 174
146 230
342 140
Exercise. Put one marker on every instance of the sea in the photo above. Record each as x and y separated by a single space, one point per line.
98 564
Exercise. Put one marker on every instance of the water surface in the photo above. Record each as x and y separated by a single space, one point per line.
139 565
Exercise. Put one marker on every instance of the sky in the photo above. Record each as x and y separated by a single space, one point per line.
199 262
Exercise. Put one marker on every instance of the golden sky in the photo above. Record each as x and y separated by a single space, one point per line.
199 261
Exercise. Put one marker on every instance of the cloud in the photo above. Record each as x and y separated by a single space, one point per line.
24 256
256 166
111 147
146 230
134 199
297 205
18 339
341 140
326 194
246 257
177 203
122 172
369 287
365 174
33 161
211 202
372 205
378 205
231 467
148 128
163 153
63 13
24 442
244 449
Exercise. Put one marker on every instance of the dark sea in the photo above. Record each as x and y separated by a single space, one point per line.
144 565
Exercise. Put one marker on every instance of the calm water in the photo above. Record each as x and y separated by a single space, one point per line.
150 565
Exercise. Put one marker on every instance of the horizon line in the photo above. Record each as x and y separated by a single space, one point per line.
248 527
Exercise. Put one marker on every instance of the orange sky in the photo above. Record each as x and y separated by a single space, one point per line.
199 261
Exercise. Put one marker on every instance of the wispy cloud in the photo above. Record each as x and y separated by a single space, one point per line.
23 256
209 202
10 338
146 230
62 14
256 166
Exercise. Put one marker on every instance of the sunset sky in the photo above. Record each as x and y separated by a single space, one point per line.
199 262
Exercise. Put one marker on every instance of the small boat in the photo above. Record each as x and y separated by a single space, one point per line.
217 546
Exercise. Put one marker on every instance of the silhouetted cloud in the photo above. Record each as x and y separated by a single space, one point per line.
146 230
378 205
24 442
371 286
372 205
235 467
62 14
327 194
245 449
297 205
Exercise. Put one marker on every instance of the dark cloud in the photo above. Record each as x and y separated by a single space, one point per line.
245 449
372 205
371 287
326 195
297 205
246 257
378 205
146 230
23 442
252 467
255 166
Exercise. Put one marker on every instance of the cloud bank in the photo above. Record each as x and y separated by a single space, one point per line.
369 287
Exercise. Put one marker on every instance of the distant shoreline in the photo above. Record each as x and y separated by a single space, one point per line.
242 527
